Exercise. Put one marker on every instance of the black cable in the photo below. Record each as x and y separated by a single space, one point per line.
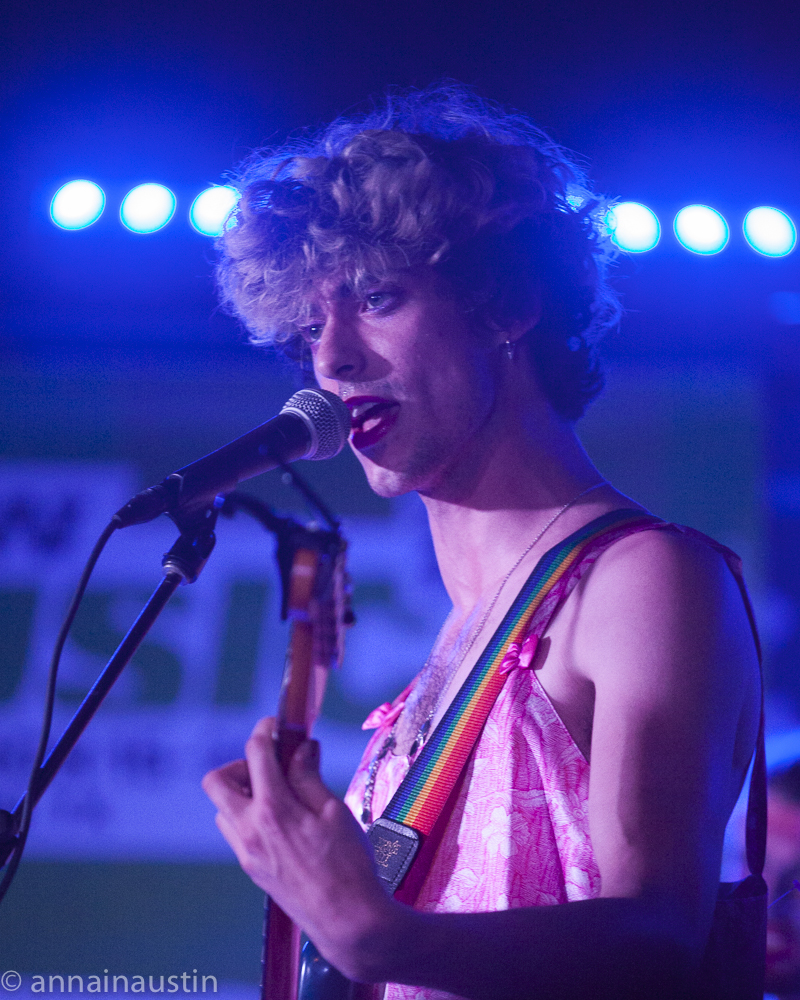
47 720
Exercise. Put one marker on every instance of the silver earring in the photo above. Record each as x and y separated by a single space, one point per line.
510 348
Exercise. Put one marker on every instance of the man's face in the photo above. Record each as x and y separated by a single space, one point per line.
418 378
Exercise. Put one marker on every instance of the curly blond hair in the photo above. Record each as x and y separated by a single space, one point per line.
438 178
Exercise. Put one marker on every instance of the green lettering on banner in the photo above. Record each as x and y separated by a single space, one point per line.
239 655
158 669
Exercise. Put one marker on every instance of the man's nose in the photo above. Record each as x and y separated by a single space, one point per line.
340 355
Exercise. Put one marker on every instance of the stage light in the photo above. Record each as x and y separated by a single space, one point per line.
633 227
701 229
77 205
769 231
211 208
147 208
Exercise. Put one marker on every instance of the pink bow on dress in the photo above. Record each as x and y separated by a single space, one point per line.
385 714
520 655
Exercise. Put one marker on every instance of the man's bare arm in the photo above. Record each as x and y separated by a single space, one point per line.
663 635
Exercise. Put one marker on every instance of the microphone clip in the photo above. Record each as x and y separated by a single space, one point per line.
163 498
195 543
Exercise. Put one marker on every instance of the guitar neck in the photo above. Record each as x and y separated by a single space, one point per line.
280 963
300 701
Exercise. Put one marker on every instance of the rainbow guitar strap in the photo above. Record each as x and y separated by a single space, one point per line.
398 834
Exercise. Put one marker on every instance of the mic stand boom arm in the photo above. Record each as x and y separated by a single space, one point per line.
182 563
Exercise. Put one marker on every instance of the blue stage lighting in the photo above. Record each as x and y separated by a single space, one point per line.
77 205
147 208
211 208
785 307
770 231
633 227
701 229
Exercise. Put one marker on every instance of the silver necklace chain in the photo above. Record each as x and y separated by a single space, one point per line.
419 740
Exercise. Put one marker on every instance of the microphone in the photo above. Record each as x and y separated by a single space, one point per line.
314 423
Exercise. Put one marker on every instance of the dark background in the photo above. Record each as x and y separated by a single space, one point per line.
112 347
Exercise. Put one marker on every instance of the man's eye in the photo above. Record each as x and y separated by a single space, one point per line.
312 332
378 300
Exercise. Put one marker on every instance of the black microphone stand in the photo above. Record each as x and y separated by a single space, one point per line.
182 564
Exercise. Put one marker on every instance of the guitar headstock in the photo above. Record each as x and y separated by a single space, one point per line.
317 602
332 610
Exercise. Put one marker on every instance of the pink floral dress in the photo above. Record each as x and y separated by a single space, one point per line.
518 834
519 831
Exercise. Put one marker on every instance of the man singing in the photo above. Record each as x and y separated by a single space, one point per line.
440 266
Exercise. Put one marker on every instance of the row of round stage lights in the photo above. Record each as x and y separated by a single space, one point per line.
703 230
145 209
633 227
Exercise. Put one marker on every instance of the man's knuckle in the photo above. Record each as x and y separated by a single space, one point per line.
251 842
256 741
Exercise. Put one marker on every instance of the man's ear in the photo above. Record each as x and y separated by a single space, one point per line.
516 329
513 330
529 315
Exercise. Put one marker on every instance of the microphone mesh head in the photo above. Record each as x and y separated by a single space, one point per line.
329 418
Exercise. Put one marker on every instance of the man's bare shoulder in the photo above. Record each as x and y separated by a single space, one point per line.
663 597
661 569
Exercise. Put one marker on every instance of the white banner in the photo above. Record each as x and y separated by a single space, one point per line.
209 668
